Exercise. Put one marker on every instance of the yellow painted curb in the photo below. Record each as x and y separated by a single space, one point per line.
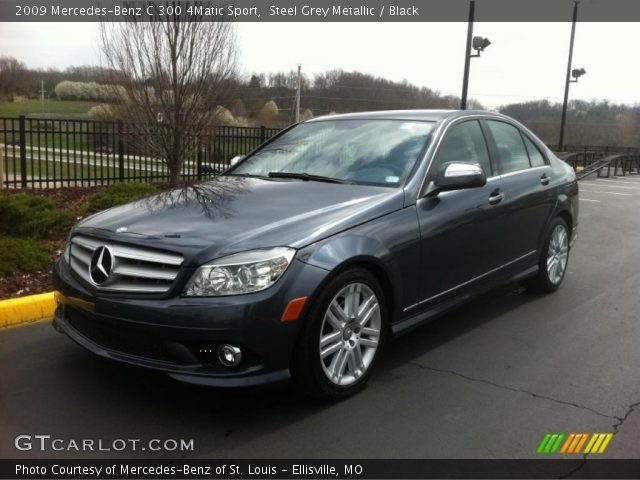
26 309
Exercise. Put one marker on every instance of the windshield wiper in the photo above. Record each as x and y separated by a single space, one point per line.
252 175
306 177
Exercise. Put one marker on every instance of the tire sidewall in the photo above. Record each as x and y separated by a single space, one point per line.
310 340
545 254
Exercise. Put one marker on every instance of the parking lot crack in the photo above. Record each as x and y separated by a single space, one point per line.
621 420
616 427
517 390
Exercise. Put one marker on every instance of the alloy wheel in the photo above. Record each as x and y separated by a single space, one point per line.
350 334
557 254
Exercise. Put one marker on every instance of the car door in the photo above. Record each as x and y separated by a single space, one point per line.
461 231
528 193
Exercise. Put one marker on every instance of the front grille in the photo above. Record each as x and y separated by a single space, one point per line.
132 269
118 339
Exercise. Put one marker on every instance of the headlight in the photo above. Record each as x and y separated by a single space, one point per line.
240 273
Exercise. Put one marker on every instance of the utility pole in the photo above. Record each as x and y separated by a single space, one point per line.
568 79
298 94
467 56
42 92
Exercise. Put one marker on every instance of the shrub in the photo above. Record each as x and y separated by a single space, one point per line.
101 112
22 255
118 194
26 215
68 90
306 115
268 114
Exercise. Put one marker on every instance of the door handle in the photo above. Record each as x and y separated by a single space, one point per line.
496 197
544 179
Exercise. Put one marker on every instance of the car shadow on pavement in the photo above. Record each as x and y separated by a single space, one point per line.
456 323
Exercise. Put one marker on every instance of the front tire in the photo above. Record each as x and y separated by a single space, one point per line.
554 259
341 340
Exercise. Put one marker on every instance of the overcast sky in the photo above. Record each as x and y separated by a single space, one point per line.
526 61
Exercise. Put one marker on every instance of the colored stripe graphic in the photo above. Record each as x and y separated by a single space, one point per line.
567 443
543 443
573 443
581 442
598 442
605 444
550 443
594 437
556 445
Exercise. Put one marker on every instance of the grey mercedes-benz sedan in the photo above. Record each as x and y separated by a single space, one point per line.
311 252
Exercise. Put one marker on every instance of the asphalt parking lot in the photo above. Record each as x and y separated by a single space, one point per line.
486 381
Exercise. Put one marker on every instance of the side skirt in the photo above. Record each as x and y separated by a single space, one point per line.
444 306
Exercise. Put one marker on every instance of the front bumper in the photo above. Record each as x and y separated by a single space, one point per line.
180 336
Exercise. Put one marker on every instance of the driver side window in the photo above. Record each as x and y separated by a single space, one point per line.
464 143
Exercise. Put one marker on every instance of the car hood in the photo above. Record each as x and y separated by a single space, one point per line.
231 214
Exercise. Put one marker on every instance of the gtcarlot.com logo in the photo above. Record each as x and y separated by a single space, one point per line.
574 443
45 443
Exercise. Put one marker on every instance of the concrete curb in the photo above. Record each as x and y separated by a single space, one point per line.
16 311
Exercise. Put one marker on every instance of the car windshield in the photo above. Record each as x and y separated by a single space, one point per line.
376 152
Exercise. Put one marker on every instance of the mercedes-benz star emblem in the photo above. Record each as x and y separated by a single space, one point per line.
101 265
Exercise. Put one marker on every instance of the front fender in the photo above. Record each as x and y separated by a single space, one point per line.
339 253
390 244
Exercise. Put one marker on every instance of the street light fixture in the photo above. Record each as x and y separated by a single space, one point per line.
576 73
478 44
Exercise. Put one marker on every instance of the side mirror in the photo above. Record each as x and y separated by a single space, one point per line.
234 161
457 176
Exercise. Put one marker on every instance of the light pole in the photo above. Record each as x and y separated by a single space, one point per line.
478 44
575 73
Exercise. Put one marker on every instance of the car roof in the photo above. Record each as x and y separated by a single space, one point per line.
420 115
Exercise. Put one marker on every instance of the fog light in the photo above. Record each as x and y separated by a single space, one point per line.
229 355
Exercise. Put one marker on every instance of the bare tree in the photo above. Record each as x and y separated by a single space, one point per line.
12 76
174 73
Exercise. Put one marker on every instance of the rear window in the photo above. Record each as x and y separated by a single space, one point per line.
536 157
511 151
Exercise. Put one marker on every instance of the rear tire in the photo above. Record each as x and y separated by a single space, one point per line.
341 339
554 259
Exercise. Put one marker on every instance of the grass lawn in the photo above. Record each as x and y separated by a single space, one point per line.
80 139
70 170
52 108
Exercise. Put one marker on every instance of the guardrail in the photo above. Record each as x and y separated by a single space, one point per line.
588 163
604 150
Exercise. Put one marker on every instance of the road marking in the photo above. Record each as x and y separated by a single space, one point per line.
621 180
610 193
611 186
626 182
589 200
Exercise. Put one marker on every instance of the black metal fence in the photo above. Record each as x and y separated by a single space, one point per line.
49 153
